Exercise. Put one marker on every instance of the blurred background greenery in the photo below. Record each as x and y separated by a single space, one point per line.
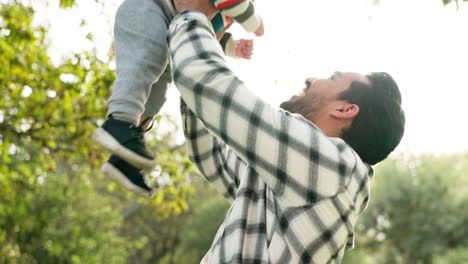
55 206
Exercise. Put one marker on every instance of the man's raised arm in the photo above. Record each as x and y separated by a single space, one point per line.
216 161
298 162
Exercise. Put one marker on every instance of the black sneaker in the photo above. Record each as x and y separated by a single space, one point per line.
125 140
126 175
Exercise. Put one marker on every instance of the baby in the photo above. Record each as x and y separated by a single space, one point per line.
143 76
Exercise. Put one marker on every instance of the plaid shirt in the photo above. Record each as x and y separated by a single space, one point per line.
295 192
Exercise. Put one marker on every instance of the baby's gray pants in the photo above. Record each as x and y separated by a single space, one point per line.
141 48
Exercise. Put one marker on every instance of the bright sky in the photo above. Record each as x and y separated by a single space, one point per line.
421 43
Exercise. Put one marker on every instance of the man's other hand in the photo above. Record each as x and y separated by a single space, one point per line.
204 6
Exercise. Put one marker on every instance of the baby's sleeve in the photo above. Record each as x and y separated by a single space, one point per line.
228 44
241 11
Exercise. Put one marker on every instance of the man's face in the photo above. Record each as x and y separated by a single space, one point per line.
318 97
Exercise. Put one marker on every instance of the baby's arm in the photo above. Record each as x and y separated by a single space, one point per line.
243 12
241 48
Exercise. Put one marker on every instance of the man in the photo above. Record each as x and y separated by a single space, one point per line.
298 178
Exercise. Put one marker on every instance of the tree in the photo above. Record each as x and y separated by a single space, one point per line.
454 256
41 127
55 206
418 209
457 2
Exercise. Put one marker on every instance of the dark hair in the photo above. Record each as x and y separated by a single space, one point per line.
378 128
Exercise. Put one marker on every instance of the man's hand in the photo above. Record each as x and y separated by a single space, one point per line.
204 6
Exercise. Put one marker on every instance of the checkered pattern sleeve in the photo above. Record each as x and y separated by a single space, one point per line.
241 11
216 161
297 161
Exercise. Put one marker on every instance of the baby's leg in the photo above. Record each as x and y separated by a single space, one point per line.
141 48
157 95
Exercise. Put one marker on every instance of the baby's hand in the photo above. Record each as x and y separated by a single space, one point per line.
260 30
244 48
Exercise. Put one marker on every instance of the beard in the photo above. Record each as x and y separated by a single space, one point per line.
307 107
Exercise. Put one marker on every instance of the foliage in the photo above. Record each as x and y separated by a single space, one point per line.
43 105
48 213
454 256
45 219
418 209
71 3
55 206
457 2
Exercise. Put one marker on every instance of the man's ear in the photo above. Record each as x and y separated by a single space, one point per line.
345 110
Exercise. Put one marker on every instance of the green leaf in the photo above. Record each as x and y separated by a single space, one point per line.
67 3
